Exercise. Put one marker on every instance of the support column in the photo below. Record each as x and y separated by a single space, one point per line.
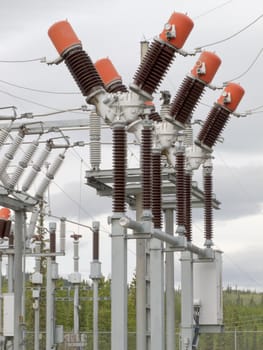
140 283
169 284
52 275
157 294
18 279
118 285
95 275
186 300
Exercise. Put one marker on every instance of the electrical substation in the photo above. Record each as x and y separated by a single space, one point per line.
160 195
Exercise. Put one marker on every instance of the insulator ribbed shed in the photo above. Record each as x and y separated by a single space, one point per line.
219 115
180 188
119 167
192 87
77 60
156 189
146 165
109 75
160 53
188 206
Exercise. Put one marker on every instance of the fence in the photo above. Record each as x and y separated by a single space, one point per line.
228 340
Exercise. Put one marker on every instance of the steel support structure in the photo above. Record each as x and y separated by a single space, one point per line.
187 309
169 284
18 279
118 285
141 302
157 294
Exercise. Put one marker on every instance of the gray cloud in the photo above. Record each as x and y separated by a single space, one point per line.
243 268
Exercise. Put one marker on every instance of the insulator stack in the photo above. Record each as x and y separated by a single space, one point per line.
160 53
77 60
208 207
156 189
213 126
146 165
62 234
23 164
95 144
188 206
188 136
37 167
11 240
9 155
52 238
154 65
192 87
186 100
219 115
165 109
83 72
3 136
109 75
32 224
119 168
180 188
95 241
155 116
49 175
5 228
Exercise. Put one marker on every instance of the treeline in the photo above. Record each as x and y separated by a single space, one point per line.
243 315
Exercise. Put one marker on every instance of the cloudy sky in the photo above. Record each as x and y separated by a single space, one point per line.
114 29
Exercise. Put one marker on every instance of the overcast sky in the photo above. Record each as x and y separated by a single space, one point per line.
114 29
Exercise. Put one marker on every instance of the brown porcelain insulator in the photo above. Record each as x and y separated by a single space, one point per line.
213 126
155 116
208 208
52 238
146 144
180 189
156 190
11 240
83 71
95 244
188 207
154 65
5 227
116 86
119 168
185 101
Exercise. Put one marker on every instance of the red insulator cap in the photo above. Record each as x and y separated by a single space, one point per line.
231 96
107 71
5 213
63 36
177 30
206 66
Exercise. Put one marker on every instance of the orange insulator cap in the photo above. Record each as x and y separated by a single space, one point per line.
177 30
206 66
63 36
149 103
5 213
107 71
231 96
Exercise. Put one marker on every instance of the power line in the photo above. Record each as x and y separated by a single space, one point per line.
39 90
213 9
231 36
249 67
40 59
34 102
